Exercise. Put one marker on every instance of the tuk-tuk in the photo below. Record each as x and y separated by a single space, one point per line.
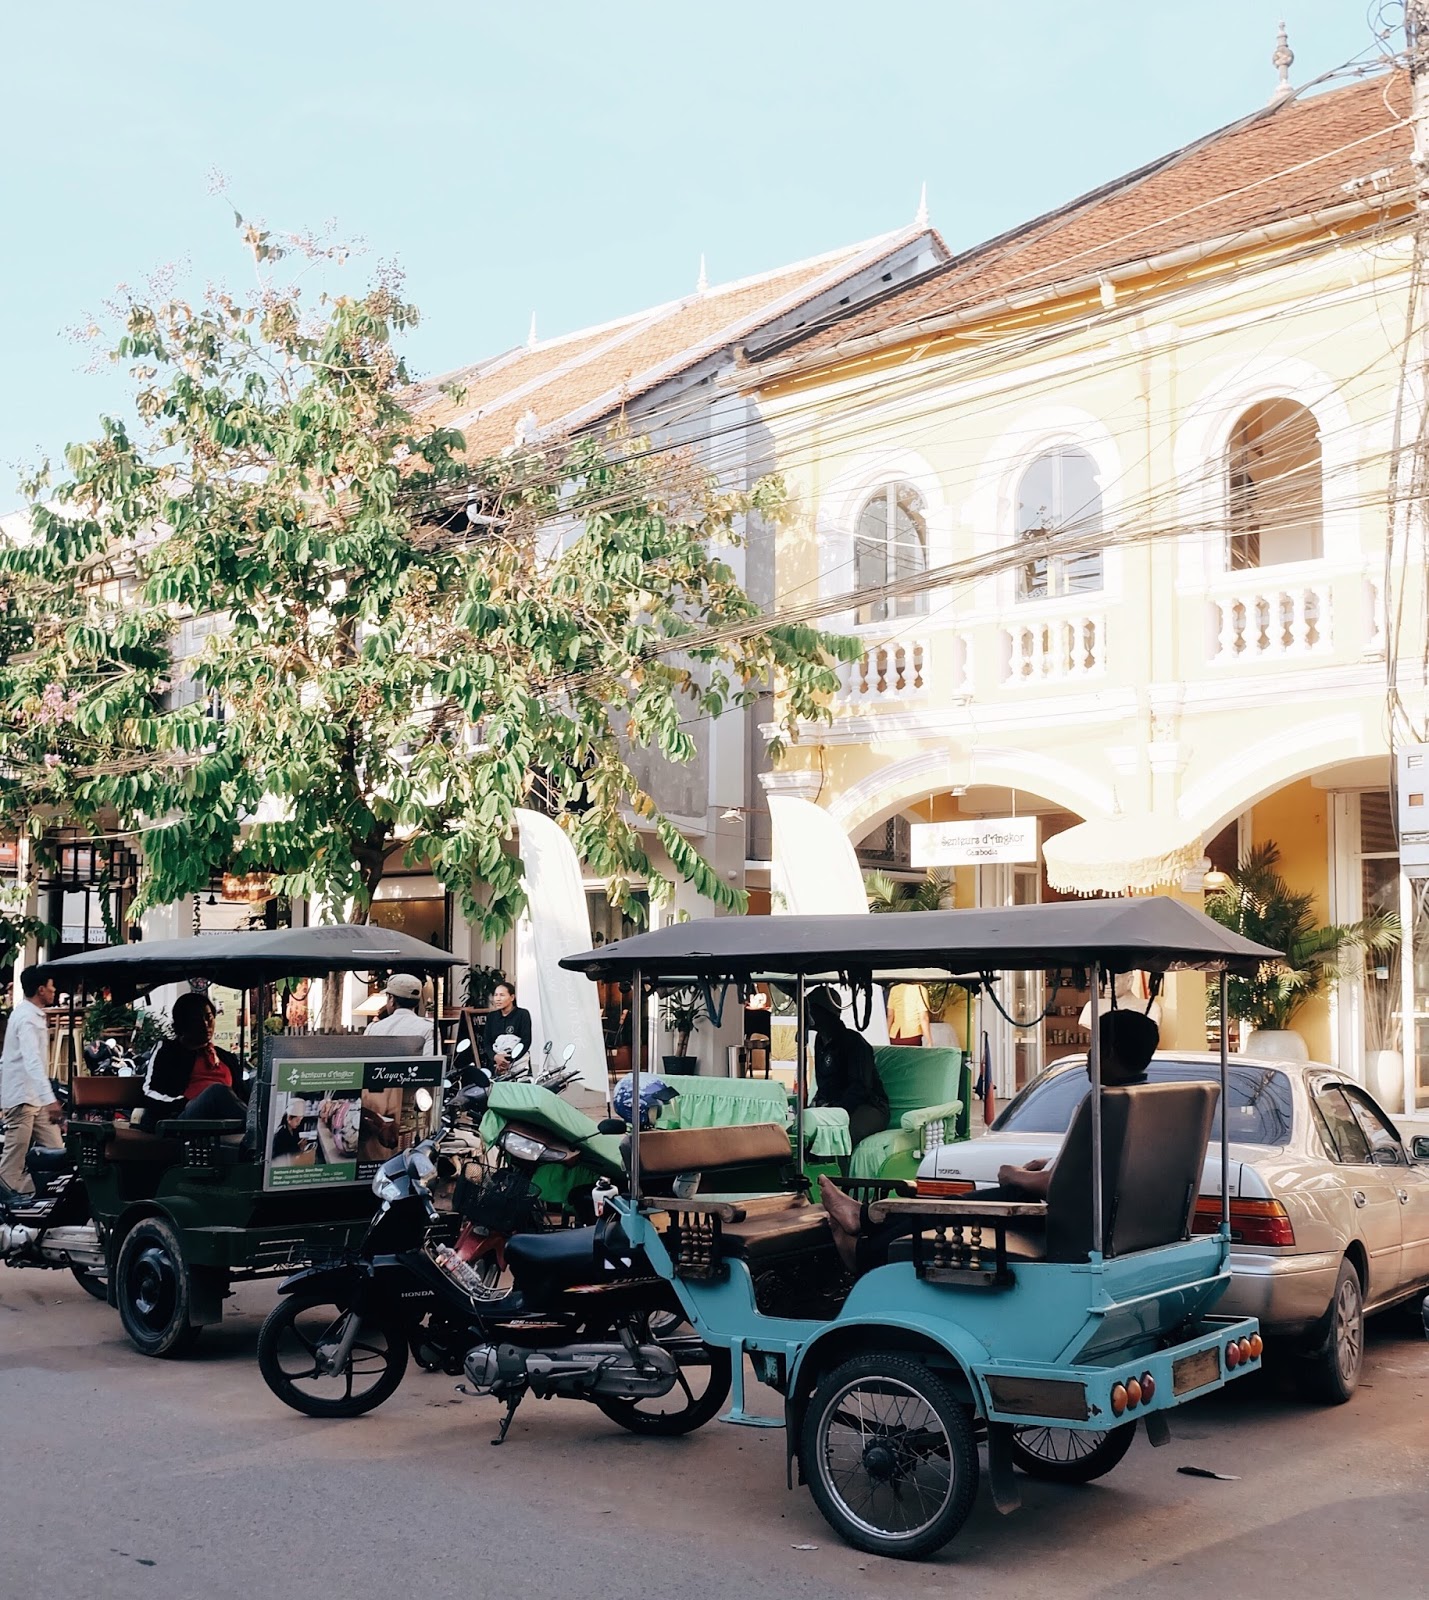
1047 1329
164 1221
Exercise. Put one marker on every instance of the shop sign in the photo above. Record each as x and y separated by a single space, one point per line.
968 844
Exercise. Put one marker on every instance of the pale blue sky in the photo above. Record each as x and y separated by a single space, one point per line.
571 157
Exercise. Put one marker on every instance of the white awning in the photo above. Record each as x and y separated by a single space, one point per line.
1122 855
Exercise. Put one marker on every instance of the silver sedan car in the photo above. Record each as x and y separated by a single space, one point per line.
1329 1206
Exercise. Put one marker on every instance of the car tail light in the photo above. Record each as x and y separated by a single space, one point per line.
1252 1221
945 1188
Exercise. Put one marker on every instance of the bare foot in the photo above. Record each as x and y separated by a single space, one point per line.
845 1213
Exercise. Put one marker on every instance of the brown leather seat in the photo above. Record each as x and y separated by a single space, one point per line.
776 1226
664 1153
130 1144
91 1093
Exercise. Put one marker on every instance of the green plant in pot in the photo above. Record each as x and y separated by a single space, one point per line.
681 1010
1259 904
480 982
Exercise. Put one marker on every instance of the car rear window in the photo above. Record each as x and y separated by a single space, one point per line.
1260 1100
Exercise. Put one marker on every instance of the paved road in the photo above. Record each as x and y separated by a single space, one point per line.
126 1478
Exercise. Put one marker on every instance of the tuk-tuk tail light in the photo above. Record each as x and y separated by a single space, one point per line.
1148 1386
1119 1399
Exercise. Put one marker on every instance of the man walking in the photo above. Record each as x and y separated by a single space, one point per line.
28 1101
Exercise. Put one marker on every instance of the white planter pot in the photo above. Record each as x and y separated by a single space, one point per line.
1275 1044
943 1036
1384 1078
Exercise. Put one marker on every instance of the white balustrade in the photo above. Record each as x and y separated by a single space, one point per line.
1053 649
1261 620
895 673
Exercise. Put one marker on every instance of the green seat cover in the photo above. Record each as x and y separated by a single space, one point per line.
723 1102
527 1102
913 1076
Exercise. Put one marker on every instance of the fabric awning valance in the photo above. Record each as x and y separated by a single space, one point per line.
1122 855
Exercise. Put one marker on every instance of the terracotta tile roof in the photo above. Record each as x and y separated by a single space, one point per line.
579 378
1287 160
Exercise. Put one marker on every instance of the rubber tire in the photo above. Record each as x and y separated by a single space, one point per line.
1321 1374
279 1319
676 1423
954 1417
1086 1469
92 1282
177 1335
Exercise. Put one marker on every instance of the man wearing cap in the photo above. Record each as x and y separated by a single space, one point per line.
400 1016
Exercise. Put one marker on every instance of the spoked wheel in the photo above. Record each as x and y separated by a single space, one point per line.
701 1386
1070 1455
296 1346
91 1281
153 1290
890 1456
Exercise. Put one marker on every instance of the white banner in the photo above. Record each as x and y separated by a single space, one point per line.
965 844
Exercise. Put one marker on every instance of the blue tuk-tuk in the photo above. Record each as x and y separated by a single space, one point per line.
1046 1329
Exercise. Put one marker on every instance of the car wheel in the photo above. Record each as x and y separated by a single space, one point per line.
1331 1372
153 1290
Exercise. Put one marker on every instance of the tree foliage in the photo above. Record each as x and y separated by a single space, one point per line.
405 645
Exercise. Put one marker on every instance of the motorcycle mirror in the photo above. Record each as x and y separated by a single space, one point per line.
424 1099
464 1044
567 1053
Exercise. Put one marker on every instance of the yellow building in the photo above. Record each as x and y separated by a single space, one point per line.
1127 470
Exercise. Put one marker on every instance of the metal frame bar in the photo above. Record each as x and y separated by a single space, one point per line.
1225 1100
637 1043
801 1068
1094 1062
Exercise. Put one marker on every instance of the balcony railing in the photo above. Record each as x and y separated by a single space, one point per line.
1054 649
885 673
1261 620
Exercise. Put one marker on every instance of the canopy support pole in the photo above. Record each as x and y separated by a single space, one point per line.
1225 1120
1094 1061
801 1072
637 1042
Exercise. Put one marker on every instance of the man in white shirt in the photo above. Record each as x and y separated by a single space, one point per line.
404 996
26 1096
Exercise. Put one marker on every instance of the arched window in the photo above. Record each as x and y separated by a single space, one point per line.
890 542
1275 491
1059 493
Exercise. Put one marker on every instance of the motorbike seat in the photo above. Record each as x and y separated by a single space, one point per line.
565 1255
47 1163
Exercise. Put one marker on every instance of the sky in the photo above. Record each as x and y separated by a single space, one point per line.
571 159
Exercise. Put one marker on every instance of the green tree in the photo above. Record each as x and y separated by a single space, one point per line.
408 646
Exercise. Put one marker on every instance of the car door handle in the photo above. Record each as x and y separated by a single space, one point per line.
1403 1197
1359 1197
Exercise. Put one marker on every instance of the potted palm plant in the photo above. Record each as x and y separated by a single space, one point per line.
682 1011
1258 903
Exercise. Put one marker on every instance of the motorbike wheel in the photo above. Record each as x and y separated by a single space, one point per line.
1070 1455
91 1281
687 1406
288 1346
152 1290
890 1456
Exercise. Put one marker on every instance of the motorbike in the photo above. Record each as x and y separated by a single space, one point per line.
585 1318
53 1228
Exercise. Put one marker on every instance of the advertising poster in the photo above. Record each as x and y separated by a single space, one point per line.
336 1120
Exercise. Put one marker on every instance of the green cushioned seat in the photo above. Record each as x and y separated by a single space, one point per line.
914 1077
722 1102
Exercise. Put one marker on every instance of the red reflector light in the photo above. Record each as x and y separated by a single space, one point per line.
1252 1221
945 1188
1148 1386
1232 1355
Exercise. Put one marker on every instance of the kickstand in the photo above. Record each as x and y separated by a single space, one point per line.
512 1401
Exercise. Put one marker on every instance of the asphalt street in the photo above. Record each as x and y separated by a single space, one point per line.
147 1480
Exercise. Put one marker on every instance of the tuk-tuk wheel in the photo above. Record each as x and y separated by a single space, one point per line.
153 1290
1070 1455
890 1456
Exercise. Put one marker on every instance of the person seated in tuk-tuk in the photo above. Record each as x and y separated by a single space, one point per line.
189 1075
1128 1042
844 1070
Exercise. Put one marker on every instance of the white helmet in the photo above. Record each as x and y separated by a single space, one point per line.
509 1045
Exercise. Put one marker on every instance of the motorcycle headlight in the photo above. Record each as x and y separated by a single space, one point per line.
522 1146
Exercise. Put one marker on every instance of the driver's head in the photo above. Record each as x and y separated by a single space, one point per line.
1128 1040
824 1008
193 1017
404 992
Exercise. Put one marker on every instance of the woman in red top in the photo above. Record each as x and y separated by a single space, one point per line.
188 1075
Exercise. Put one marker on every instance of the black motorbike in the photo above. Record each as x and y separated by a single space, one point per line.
53 1227
585 1318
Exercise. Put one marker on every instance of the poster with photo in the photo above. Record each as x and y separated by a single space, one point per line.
336 1120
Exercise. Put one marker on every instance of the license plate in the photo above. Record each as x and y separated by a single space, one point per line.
1195 1372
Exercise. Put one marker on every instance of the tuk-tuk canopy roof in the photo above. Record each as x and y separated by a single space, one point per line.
1153 934
243 960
